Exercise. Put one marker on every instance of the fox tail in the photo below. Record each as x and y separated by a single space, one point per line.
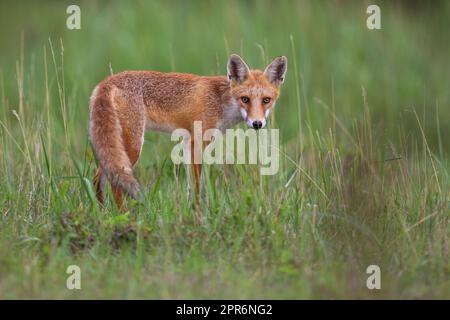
105 134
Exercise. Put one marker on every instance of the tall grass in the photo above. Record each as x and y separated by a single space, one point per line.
364 170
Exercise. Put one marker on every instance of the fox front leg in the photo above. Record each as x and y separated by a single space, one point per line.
188 184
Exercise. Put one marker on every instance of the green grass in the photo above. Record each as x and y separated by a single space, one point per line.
364 173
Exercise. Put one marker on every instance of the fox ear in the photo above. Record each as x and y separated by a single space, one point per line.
276 70
237 69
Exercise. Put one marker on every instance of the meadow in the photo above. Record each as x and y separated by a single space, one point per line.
365 163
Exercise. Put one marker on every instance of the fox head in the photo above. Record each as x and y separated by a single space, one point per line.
256 91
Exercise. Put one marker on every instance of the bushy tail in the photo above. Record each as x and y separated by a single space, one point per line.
106 137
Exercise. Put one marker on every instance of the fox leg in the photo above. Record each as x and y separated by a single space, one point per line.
132 122
197 174
99 184
196 170
188 183
133 153
133 142
118 196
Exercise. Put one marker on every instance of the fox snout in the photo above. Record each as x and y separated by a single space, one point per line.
253 122
259 124
256 123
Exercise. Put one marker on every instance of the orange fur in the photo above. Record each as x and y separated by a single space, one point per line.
124 105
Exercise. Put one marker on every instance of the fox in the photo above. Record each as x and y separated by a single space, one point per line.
125 105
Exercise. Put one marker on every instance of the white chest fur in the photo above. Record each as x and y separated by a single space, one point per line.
231 115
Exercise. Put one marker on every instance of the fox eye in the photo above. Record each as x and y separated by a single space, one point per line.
266 100
245 99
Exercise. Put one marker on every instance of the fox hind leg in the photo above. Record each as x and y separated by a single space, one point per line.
133 140
99 184
99 181
117 191
133 153
118 196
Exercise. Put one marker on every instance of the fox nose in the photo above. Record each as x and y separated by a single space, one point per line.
257 124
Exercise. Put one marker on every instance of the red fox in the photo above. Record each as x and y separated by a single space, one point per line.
126 104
